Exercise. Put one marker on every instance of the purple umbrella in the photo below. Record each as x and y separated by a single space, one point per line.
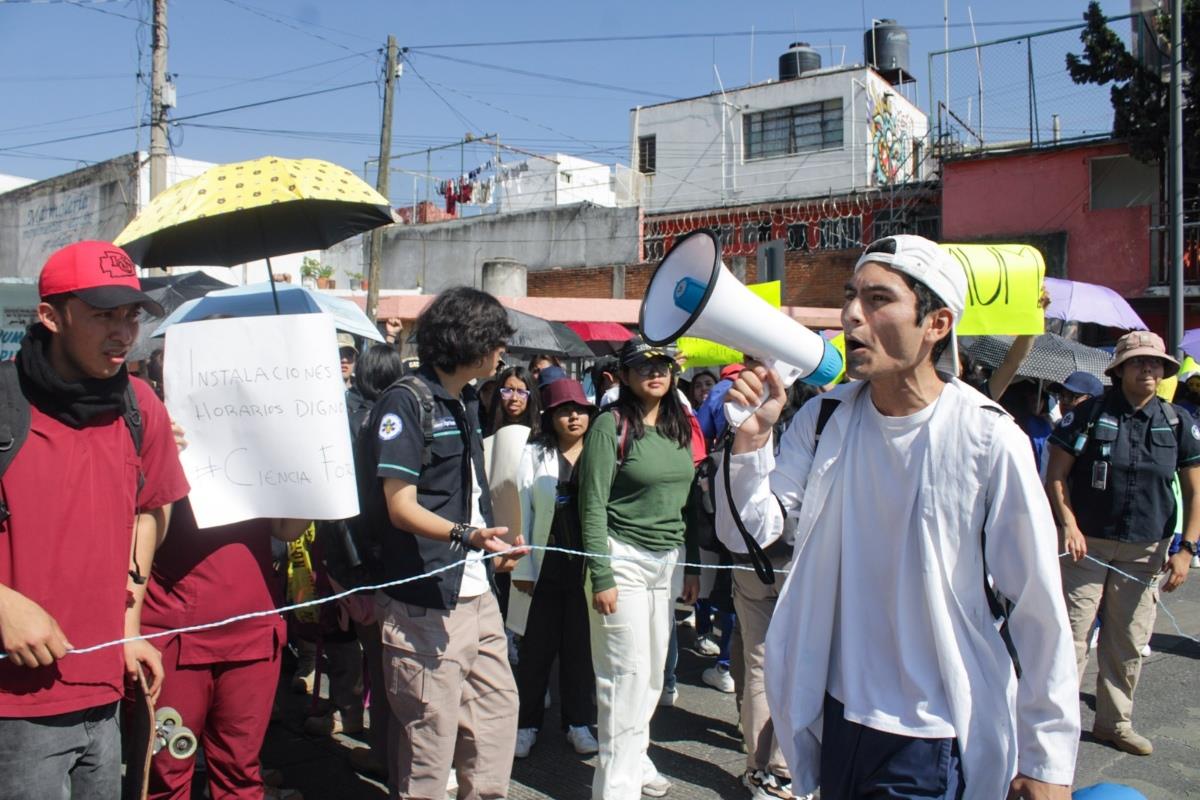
1190 343
1088 302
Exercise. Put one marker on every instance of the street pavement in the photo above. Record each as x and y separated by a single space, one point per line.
697 746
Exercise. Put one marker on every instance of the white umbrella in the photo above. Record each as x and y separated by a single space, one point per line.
254 300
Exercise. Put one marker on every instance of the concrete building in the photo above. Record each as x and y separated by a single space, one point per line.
825 132
96 202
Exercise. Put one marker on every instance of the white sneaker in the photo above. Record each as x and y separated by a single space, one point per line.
658 786
717 676
705 646
525 739
1146 651
667 698
580 737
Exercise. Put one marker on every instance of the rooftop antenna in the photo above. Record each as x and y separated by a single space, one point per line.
978 71
946 47
751 54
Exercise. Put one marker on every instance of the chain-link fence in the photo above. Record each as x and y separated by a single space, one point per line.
1017 90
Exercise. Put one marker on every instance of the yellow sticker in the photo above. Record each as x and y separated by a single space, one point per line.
1004 288
703 353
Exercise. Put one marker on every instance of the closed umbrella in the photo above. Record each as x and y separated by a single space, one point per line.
1053 357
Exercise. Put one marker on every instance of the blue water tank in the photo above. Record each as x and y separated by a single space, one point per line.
885 46
799 59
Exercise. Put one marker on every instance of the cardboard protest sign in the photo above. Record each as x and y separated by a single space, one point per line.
263 408
703 353
18 310
1004 287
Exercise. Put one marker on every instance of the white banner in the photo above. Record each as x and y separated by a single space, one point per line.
263 408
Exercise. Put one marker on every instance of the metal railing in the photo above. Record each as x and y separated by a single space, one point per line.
1017 91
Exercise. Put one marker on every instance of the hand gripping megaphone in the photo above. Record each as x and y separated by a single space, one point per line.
691 292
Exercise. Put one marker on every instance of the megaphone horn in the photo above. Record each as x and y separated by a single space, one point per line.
691 292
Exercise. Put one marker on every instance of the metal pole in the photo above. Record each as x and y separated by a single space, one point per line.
1175 192
158 109
381 178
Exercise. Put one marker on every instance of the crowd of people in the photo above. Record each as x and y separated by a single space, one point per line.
956 675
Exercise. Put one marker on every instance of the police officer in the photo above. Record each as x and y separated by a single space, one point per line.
1112 462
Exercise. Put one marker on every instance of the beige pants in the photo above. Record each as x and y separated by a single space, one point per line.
453 698
1126 616
754 602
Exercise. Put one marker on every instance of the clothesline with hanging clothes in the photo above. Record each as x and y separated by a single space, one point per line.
469 189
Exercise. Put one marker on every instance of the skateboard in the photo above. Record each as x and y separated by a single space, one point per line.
147 731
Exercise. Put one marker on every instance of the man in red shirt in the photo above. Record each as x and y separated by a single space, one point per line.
85 511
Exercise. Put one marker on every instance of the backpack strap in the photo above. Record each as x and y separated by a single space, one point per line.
828 406
1000 607
622 436
424 396
15 418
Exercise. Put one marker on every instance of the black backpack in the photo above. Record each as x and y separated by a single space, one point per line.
15 418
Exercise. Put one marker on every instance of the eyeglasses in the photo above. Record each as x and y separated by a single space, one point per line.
649 369
508 391
346 354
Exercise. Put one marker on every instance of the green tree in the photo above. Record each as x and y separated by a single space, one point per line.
1141 95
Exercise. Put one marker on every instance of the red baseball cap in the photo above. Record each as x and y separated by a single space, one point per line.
98 273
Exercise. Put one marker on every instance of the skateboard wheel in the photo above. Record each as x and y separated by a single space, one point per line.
181 744
167 717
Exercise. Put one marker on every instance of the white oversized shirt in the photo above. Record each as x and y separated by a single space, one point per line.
978 474
883 666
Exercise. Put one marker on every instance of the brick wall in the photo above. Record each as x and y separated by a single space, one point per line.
812 279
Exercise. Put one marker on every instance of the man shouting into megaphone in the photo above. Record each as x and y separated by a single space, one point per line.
920 646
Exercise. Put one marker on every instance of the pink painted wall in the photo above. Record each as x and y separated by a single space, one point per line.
1043 192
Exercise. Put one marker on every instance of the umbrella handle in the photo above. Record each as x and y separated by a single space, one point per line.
271 278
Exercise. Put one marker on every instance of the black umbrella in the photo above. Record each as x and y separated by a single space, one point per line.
537 335
170 292
1053 357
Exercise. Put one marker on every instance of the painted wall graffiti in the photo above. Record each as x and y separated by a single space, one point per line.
889 138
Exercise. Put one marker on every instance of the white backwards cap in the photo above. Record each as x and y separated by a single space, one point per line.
923 261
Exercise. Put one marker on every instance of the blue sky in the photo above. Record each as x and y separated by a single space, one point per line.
68 67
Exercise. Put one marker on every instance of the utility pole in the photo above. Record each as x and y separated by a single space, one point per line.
1175 179
381 180
158 106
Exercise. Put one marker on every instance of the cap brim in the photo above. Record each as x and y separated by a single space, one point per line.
117 296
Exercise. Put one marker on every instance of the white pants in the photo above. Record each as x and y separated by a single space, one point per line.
629 650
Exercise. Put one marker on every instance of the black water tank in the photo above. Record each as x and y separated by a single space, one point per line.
799 59
885 46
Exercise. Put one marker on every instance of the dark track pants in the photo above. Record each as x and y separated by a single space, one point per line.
860 762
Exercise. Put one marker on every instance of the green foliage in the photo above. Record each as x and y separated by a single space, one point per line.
1140 96
310 267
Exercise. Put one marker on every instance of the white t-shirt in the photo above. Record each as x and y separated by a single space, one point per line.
475 581
883 664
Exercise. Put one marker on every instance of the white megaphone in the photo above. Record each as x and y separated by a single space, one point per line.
691 292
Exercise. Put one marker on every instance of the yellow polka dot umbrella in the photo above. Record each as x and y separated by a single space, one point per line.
235 213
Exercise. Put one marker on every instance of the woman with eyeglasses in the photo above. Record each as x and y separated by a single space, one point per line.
515 402
634 476
550 584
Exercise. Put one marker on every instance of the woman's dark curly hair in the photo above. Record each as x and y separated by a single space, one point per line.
461 326
529 417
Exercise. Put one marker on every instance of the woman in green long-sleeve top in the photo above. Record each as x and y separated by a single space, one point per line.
634 476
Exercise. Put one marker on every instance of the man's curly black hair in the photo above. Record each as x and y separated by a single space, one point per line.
461 326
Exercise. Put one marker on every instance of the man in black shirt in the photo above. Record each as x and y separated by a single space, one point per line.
1112 464
445 657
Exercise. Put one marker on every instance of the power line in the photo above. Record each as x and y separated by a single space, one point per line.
649 37
544 76
462 117
104 11
265 15
190 116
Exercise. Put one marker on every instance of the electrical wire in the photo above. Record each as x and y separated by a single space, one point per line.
103 11
265 15
462 117
544 76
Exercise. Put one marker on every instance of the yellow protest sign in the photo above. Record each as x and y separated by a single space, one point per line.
703 353
1004 288
1167 386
